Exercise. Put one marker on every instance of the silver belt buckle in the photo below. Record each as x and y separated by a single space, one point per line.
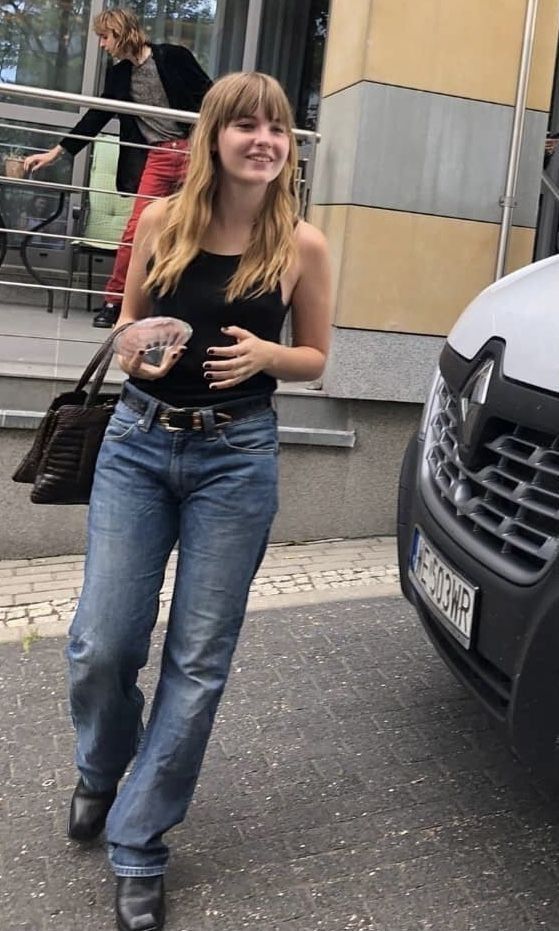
165 423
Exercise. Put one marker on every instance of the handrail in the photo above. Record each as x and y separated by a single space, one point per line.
508 200
306 138
550 185
55 287
118 106
58 236
97 103
109 138
69 188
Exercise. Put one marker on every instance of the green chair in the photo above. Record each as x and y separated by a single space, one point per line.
101 216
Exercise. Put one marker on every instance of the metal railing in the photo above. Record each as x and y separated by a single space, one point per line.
306 140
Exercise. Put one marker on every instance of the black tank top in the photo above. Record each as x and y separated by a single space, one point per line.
200 300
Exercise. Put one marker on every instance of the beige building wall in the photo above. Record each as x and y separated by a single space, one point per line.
410 273
416 117
468 48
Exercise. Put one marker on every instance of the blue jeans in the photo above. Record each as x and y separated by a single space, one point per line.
216 493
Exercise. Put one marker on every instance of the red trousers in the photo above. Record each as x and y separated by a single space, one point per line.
163 172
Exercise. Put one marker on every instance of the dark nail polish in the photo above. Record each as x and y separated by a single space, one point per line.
206 365
208 375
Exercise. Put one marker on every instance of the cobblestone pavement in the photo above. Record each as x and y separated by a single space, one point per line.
38 596
350 785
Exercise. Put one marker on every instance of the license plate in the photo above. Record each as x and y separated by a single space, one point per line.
452 597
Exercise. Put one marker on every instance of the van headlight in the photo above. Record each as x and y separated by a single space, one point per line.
430 403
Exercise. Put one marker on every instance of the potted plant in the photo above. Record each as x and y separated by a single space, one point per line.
13 164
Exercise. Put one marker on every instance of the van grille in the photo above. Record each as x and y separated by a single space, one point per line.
510 501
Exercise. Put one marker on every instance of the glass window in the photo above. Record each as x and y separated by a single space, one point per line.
23 205
42 44
213 30
291 47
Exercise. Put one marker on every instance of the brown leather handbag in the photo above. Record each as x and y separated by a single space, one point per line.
61 462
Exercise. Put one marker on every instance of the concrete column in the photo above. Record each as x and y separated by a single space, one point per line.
416 119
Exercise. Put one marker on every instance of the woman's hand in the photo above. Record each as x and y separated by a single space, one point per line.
42 159
135 365
237 363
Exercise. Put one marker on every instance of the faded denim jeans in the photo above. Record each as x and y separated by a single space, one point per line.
216 493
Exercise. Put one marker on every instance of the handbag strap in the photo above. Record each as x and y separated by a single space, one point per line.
98 367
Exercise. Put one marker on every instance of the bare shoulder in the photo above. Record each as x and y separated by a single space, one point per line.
150 224
311 242
152 216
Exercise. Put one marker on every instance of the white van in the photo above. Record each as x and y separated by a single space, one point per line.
478 515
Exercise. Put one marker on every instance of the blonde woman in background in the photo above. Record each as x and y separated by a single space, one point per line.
158 75
190 456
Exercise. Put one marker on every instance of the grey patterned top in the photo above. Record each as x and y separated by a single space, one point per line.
146 88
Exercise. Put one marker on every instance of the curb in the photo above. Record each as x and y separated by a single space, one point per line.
31 630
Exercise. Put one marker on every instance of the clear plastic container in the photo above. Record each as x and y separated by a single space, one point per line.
152 335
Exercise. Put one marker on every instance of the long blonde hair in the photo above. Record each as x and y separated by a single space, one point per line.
271 247
125 26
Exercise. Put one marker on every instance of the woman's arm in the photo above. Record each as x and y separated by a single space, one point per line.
311 302
311 310
137 303
93 121
90 124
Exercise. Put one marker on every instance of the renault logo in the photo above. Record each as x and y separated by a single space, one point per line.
470 407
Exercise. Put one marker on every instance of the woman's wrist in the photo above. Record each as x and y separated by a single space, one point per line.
272 363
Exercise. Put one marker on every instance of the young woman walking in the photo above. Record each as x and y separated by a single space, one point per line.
190 456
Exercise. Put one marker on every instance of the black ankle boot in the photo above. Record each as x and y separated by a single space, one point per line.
88 812
107 316
140 903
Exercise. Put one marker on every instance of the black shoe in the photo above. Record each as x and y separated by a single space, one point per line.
140 903
107 316
88 812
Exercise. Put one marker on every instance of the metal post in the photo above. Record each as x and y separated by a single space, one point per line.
508 200
250 53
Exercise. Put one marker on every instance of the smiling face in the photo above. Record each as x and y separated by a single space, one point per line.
253 148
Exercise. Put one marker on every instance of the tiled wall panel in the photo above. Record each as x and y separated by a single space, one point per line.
408 150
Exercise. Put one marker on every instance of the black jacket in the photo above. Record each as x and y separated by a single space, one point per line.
185 84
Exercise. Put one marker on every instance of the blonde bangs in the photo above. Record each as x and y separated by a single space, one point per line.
247 93
271 248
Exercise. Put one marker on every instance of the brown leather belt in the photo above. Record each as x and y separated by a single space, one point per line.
191 418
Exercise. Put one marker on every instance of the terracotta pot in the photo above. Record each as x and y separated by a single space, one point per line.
13 166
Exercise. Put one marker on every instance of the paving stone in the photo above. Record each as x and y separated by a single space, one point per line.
19 622
42 596
14 612
33 573
40 611
54 560
69 575
56 586
13 587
